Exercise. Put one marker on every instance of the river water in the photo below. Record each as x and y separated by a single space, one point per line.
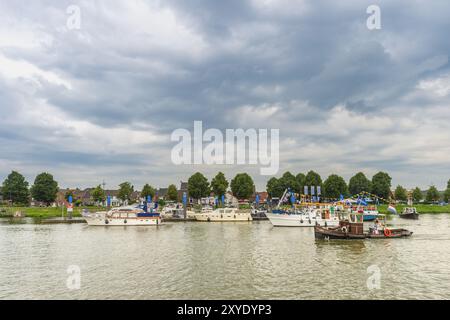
221 261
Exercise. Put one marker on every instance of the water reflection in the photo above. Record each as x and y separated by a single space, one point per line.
221 261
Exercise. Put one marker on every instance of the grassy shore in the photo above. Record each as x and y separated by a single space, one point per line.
42 212
421 208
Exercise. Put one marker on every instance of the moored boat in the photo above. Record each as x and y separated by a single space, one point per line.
224 215
370 213
123 216
308 218
173 211
259 214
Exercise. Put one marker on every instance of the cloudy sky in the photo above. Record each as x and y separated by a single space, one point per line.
100 102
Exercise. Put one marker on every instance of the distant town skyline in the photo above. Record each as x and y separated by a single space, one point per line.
98 100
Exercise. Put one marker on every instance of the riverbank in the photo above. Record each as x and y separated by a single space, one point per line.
421 208
52 212
41 212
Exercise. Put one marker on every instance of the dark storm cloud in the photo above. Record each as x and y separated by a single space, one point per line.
160 66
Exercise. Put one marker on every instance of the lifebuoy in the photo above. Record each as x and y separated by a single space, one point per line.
387 232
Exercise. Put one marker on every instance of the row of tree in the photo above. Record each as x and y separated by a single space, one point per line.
242 186
335 186
45 188
16 188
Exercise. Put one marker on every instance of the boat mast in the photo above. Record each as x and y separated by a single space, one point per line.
281 199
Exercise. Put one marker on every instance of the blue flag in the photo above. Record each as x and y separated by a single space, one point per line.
257 199
108 201
341 197
149 199
70 199
223 199
184 198
292 199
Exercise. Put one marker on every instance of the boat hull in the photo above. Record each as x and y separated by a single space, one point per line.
297 220
144 221
335 233
370 217
411 216
238 217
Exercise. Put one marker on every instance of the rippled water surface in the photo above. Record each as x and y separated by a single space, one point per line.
221 261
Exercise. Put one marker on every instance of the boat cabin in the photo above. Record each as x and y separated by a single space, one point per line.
354 224
409 210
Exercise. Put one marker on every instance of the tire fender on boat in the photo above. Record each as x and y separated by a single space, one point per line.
106 221
125 221
344 229
387 232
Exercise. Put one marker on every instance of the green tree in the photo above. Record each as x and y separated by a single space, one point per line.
433 194
219 184
446 195
400 193
98 194
15 188
198 186
417 195
288 181
359 183
448 184
242 186
334 186
172 192
274 188
313 179
148 190
300 182
44 188
381 185
126 189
